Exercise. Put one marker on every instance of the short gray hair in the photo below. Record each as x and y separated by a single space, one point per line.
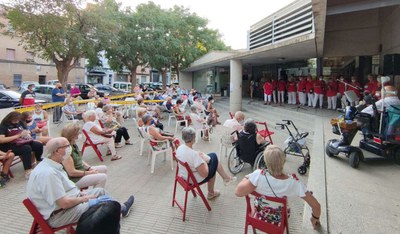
52 145
250 126
89 113
146 118
193 108
188 134
106 108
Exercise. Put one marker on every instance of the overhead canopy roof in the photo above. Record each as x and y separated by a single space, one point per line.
294 49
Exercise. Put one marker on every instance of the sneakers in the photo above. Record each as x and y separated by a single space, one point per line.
126 207
230 180
2 183
5 177
118 145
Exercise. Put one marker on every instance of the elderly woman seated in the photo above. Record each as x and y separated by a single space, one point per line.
78 170
156 133
142 110
41 117
99 135
29 124
250 129
153 109
180 115
212 112
274 182
110 121
203 166
199 123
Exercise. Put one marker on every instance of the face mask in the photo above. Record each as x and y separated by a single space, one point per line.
342 79
353 81
378 94
320 79
212 101
241 122
68 152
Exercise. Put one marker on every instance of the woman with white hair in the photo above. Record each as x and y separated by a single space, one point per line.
99 135
273 182
204 166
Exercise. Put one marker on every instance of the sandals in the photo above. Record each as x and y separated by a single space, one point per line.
230 180
128 143
214 195
116 157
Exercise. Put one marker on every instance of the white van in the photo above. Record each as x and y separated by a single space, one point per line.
124 86
53 82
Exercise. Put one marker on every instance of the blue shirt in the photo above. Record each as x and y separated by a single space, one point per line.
56 98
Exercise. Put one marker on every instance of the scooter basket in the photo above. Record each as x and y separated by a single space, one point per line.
345 126
393 124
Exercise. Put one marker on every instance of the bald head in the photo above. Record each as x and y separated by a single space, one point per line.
239 116
54 144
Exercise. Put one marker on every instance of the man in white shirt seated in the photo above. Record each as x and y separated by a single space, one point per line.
236 123
391 99
55 196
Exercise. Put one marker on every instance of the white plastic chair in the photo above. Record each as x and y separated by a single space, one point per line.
226 141
154 151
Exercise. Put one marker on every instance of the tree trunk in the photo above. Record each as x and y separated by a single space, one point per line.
164 78
62 74
133 78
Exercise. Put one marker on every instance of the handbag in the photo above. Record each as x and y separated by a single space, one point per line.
23 140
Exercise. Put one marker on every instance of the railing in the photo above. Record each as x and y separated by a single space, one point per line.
295 20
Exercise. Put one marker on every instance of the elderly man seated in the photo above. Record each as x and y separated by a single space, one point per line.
391 99
236 123
56 197
70 111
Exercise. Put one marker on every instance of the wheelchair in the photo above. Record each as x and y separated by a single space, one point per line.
246 150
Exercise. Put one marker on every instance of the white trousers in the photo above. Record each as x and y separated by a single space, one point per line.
267 98
274 93
332 102
319 97
292 98
96 180
302 98
281 96
310 99
110 144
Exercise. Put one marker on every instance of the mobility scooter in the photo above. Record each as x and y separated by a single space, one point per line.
381 132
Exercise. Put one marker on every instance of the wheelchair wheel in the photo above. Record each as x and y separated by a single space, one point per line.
235 164
259 162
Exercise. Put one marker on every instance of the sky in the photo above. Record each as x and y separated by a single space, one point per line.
232 18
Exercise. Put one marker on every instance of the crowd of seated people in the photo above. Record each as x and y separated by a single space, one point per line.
78 174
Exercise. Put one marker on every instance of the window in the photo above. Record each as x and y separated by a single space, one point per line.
17 79
10 54
30 57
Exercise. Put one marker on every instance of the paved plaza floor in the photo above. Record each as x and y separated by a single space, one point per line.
353 201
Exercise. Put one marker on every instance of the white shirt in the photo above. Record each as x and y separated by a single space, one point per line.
290 187
233 123
186 154
389 101
94 137
196 121
47 183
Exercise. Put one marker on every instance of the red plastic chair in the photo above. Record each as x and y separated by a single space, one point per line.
264 132
270 228
88 142
39 225
192 186
231 115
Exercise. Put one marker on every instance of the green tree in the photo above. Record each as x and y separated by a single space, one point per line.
58 30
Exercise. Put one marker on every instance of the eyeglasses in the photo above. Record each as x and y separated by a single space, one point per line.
64 146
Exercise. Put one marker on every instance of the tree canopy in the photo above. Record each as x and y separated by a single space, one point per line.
63 31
